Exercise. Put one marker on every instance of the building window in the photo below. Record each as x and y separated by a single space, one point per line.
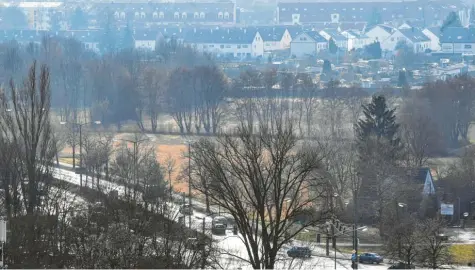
245 46
196 15
221 46
211 46
155 15
228 46
226 15
176 15
161 15
142 15
116 15
202 15
137 15
220 15
122 15
467 46
183 15
239 46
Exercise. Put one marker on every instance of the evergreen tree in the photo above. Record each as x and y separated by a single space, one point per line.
402 78
108 42
472 17
332 47
128 41
327 67
452 20
380 123
79 20
375 18
374 50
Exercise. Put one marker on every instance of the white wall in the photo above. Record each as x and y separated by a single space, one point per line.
389 44
301 48
468 48
377 34
145 44
434 40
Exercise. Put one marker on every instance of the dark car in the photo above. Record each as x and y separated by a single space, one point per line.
299 252
370 258
219 229
402 265
186 209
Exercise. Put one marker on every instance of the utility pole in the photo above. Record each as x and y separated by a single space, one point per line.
355 220
80 144
189 181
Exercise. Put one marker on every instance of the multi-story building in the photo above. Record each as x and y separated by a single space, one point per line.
340 11
38 14
233 42
147 14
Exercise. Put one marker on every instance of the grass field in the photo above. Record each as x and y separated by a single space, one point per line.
462 254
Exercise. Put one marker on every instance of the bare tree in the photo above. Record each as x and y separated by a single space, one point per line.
263 181
154 84
434 250
418 132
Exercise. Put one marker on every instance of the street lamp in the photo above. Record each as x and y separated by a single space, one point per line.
134 142
80 144
189 142
364 228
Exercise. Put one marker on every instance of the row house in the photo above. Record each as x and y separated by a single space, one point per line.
356 40
153 13
413 37
227 42
433 33
380 33
340 40
306 44
432 12
275 38
458 40
38 14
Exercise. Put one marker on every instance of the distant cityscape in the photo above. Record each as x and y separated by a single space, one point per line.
264 31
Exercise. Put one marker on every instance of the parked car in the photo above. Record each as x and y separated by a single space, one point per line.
186 209
401 265
299 252
371 258
220 220
219 229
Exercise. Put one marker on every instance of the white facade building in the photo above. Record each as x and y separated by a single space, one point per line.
227 42
458 40
379 33
433 34
413 37
307 44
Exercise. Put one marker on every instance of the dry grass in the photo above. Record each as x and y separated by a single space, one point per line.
462 254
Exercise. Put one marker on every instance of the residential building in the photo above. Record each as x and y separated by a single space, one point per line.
145 40
147 14
380 33
38 14
458 40
356 40
275 37
308 12
227 42
433 34
307 44
413 37
340 40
